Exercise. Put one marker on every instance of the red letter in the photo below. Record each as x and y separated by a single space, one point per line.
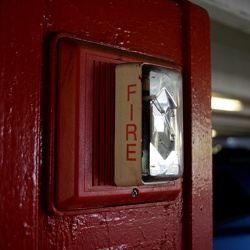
129 152
131 112
131 92
132 131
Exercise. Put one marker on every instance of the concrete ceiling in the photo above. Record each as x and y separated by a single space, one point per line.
234 13
230 50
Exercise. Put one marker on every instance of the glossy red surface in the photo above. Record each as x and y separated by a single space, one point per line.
176 31
82 136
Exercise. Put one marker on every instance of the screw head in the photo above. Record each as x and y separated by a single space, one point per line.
134 192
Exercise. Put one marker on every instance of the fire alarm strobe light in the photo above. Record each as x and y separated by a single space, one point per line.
148 125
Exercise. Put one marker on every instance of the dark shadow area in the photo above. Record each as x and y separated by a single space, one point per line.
231 198
231 173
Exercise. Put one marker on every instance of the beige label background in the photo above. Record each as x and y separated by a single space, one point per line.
128 112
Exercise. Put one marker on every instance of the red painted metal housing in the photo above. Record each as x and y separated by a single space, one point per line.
176 31
82 129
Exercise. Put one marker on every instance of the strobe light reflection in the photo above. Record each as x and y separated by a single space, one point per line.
161 122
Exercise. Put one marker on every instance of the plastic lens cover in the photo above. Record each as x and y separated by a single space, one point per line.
162 154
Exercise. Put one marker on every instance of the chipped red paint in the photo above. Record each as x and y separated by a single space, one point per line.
174 30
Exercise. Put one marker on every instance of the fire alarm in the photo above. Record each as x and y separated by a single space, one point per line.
148 125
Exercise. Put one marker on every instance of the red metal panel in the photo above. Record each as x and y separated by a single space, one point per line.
20 97
142 32
198 179
151 27
159 28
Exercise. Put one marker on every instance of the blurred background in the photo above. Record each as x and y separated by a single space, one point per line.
230 51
